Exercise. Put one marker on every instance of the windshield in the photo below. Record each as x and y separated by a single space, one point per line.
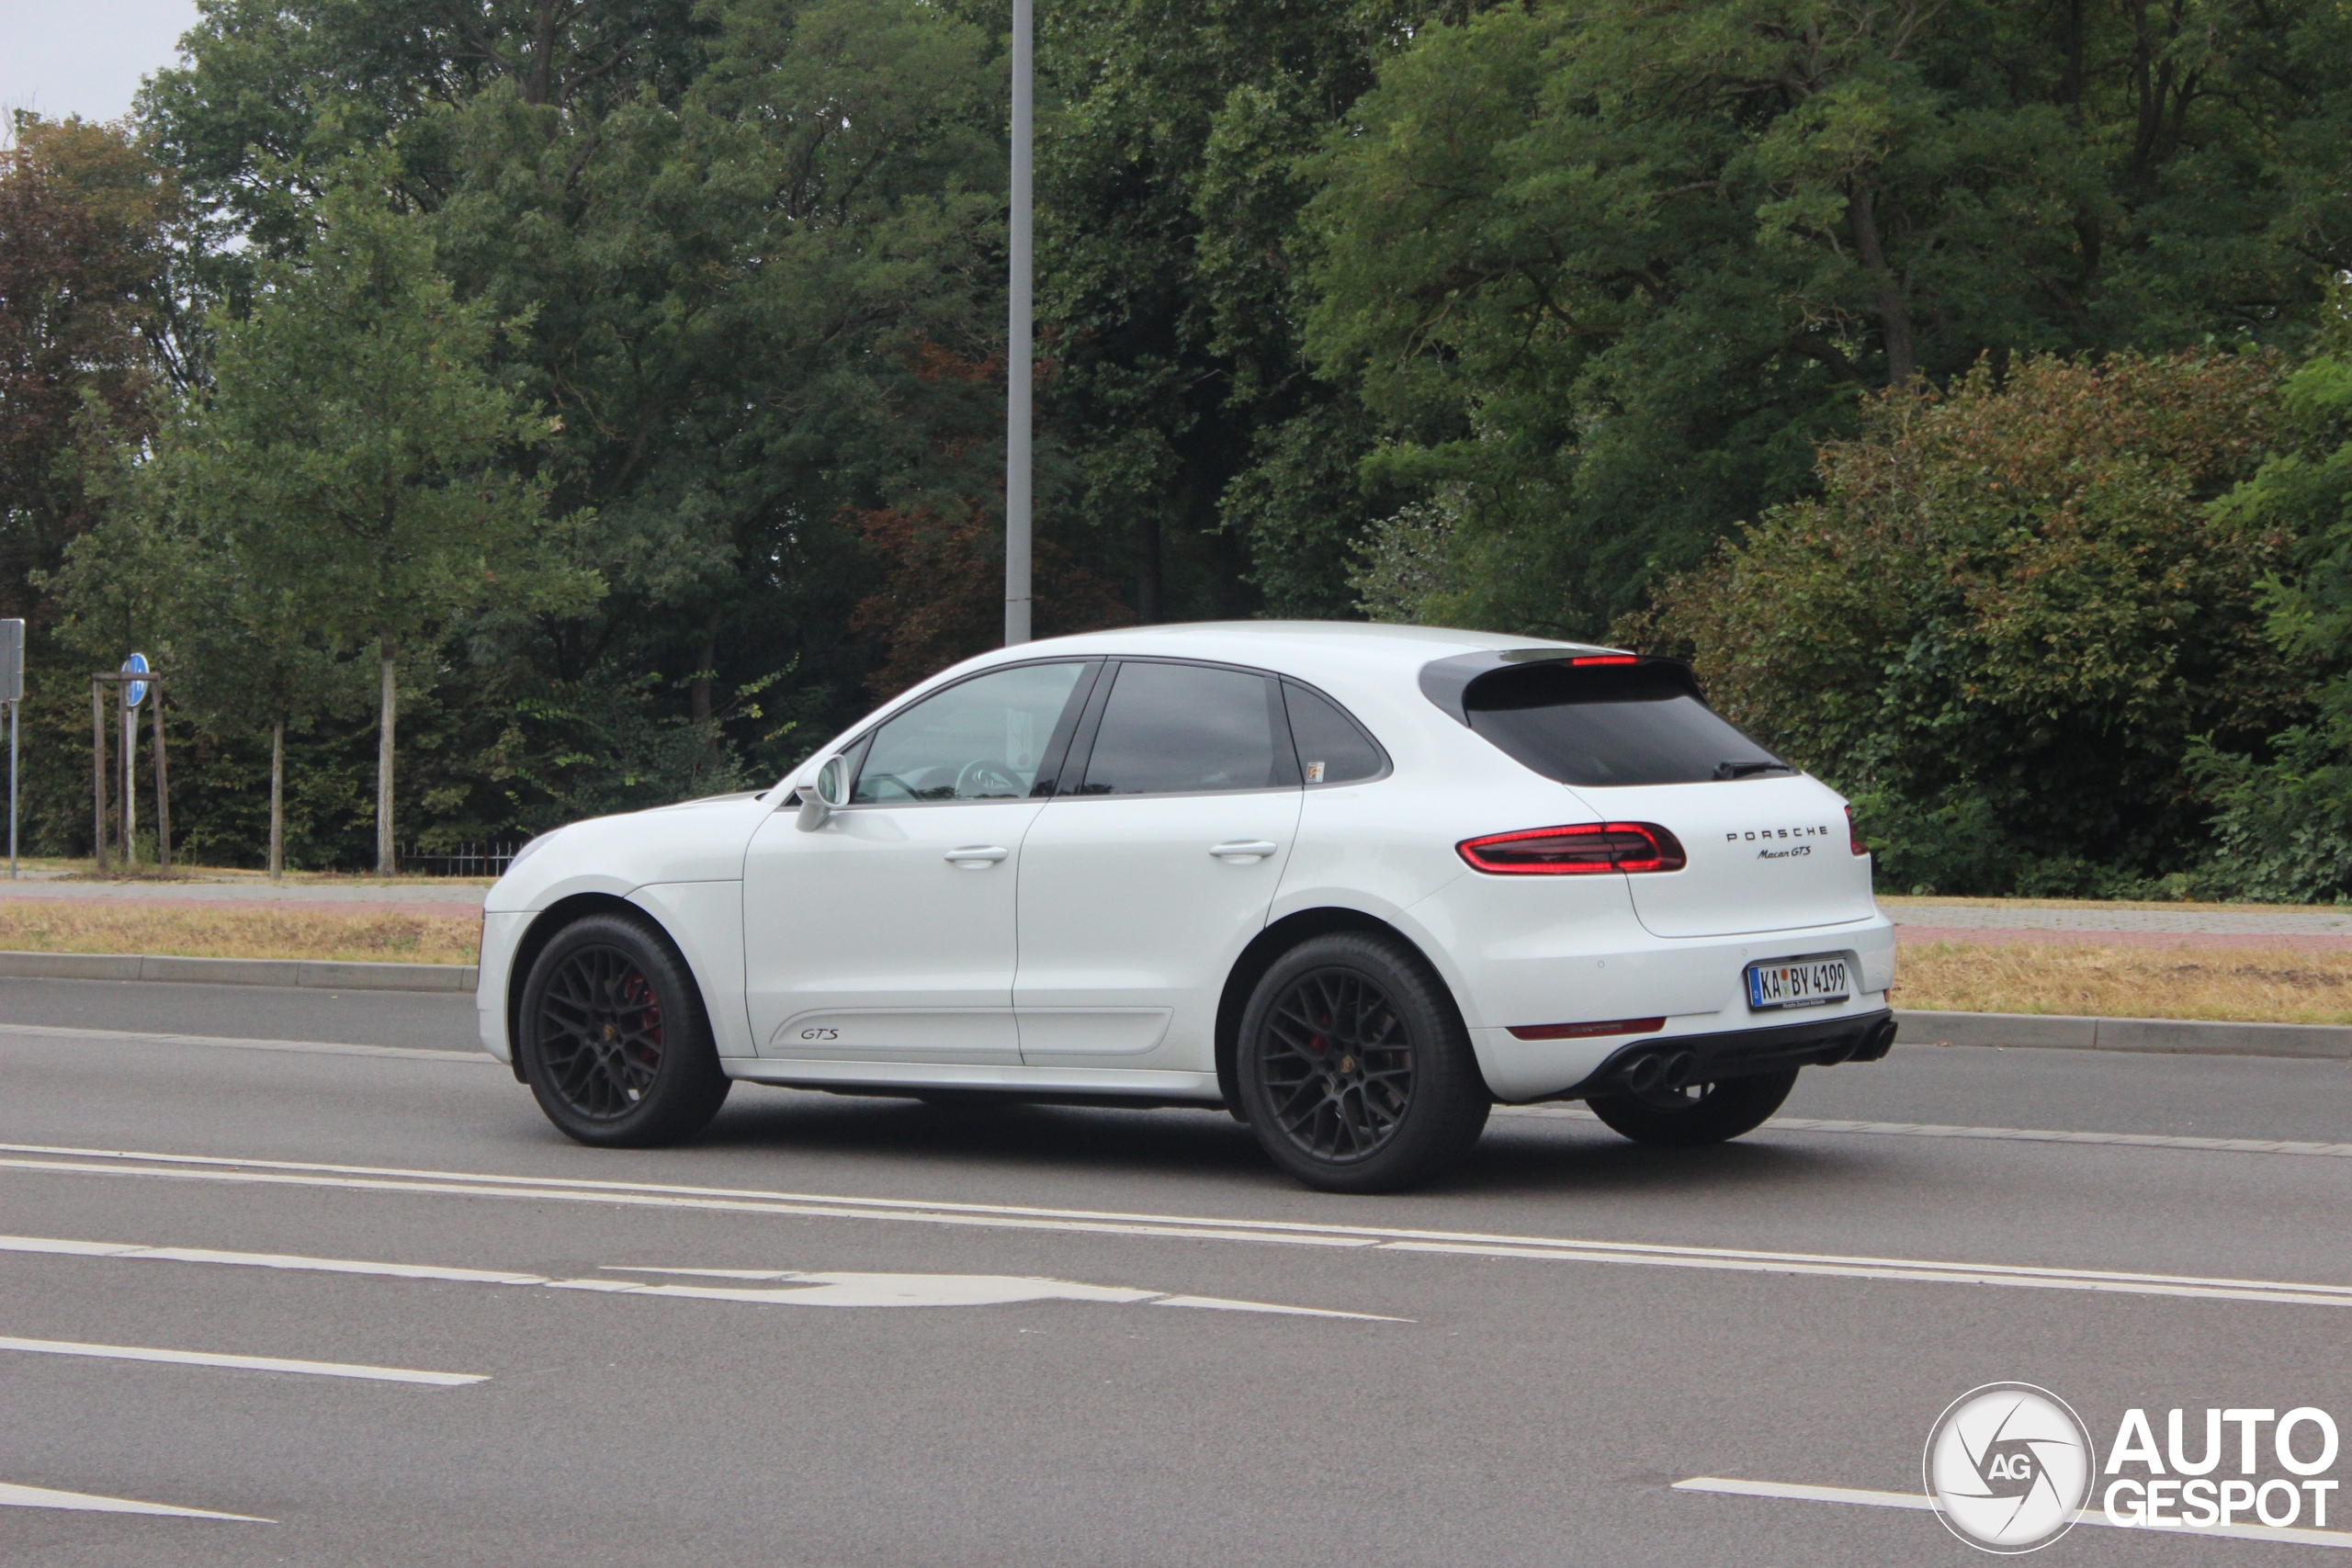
1641 724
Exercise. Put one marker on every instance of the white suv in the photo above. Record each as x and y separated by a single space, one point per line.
1353 883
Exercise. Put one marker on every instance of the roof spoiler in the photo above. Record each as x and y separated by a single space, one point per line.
1447 681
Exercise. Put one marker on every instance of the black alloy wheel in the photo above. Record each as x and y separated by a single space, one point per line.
1702 1114
614 1040
600 1033
1337 1065
1354 1066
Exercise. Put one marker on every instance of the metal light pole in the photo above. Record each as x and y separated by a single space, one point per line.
1018 370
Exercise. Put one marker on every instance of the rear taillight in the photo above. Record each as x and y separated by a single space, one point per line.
1574 850
1854 834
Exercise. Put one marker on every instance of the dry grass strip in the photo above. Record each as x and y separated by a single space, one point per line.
2239 985
271 932
2183 906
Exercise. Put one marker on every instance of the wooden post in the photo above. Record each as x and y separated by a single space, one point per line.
98 768
163 784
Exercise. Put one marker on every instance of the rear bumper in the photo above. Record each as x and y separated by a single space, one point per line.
1673 1061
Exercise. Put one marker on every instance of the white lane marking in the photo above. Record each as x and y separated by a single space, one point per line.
12 1497
966 1290
657 1195
1190 1228
240 1363
1794 1493
2002 1134
830 1290
1570 1112
308 1047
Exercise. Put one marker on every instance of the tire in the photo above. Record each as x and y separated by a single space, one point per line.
1719 1113
1353 1067
615 1043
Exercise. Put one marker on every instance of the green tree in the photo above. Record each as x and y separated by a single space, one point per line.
1205 462
85 220
2007 615
2283 822
363 451
1609 272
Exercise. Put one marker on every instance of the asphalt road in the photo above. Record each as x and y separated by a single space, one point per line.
1512 1369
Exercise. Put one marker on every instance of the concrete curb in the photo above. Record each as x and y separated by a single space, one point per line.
2326 1041
317 975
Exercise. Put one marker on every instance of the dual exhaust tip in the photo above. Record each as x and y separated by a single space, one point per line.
1660 1072
1669 1071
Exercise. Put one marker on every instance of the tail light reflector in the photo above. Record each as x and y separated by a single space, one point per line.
1577 850
1854 834
1585 1030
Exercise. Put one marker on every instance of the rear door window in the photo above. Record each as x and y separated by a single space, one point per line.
1642 724
1186 729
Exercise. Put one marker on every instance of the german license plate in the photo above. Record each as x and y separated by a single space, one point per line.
1797 982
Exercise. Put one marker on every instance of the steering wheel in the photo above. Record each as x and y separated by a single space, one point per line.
982 780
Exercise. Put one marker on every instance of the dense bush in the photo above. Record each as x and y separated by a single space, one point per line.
2010 615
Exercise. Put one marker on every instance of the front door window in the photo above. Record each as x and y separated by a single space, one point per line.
982 740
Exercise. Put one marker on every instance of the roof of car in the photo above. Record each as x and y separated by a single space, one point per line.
1304 647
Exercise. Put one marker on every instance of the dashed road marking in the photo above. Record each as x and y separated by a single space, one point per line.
1792 1492
239 1363
12 1497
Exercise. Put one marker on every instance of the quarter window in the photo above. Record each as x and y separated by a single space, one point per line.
980 739
1183 728
1332 747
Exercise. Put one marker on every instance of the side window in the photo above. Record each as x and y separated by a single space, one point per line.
1172 728
1332 747
980 739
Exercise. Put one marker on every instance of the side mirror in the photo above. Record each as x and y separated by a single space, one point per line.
830 794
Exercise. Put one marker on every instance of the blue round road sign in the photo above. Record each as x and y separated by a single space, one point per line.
135 693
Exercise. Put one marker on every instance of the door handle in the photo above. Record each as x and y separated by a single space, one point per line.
978 854
1244 850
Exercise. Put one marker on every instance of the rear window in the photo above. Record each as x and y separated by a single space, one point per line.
1639 724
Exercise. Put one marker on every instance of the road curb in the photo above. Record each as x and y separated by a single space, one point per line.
2177 1036
318 975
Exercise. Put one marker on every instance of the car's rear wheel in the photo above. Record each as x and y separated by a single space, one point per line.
1707 1113
613 1041
1354 1069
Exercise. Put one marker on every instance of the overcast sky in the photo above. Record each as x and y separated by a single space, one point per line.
86 57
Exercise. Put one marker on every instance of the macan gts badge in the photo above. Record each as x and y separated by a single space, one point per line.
1352 883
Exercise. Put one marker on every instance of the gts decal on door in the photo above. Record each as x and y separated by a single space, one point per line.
820 1034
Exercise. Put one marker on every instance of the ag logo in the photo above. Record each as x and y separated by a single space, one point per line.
2009 1466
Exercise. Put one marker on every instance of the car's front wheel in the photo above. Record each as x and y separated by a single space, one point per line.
1355 1067
1706 1114
613 1041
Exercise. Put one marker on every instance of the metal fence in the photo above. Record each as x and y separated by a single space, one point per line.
460 860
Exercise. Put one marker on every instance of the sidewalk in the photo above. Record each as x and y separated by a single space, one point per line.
1989 924
327 899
